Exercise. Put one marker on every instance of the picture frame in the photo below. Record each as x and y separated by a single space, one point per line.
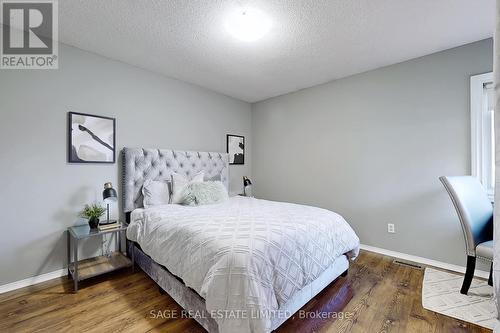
91 138
235 147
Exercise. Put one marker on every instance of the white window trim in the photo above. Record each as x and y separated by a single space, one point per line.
478 111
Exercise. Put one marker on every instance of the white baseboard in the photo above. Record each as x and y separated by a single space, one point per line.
439 264
33 280
425 261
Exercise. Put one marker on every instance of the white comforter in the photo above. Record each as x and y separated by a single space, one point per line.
246 257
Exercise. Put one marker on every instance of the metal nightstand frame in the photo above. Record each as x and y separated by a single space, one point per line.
81 270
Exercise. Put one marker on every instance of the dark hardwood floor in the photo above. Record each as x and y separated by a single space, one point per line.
376 296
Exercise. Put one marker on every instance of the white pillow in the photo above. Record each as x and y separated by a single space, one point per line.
179 184
155 193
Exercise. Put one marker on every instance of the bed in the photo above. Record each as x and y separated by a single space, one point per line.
244 265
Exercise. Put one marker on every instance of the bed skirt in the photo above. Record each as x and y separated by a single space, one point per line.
194 304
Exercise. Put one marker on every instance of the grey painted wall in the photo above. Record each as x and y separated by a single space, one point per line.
40 193
372 147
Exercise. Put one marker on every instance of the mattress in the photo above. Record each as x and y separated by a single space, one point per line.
246 257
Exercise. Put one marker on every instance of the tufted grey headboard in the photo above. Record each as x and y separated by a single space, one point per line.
140 164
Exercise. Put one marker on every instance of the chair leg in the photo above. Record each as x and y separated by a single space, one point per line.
469 274
490 279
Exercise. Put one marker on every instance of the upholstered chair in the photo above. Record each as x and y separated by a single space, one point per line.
475 213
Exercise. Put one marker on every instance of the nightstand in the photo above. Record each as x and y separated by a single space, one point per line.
85 269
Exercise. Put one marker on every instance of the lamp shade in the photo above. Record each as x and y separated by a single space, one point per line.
109 193
247 187
246 181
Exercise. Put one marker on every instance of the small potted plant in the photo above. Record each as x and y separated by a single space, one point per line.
93 212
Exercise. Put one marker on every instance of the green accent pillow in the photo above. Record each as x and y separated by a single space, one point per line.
204 193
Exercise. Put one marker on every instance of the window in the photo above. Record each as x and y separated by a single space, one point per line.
483 130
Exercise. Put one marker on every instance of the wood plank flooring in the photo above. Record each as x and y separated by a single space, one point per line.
376 296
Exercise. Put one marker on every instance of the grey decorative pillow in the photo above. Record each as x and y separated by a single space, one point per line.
155 193
204 193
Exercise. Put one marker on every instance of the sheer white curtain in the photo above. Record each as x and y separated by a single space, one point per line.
496 237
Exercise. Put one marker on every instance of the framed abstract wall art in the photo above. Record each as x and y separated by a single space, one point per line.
235 145
91 138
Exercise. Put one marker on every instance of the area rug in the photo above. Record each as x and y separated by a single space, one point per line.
441 294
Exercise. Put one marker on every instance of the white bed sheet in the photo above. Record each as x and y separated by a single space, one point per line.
246 257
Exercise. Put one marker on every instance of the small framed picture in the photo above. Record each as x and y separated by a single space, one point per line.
91 138
236 149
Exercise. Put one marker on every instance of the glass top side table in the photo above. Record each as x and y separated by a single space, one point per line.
81 270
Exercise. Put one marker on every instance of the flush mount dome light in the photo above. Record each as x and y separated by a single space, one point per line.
248 24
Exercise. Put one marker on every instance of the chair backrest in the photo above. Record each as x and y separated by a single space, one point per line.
473 207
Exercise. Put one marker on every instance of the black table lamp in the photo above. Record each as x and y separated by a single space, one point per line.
247 186
109 196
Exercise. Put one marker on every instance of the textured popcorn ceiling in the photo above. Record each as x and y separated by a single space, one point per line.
310 42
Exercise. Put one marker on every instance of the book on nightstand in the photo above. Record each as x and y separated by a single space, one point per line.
109 226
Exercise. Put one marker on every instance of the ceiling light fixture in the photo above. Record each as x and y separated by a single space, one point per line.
248 25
